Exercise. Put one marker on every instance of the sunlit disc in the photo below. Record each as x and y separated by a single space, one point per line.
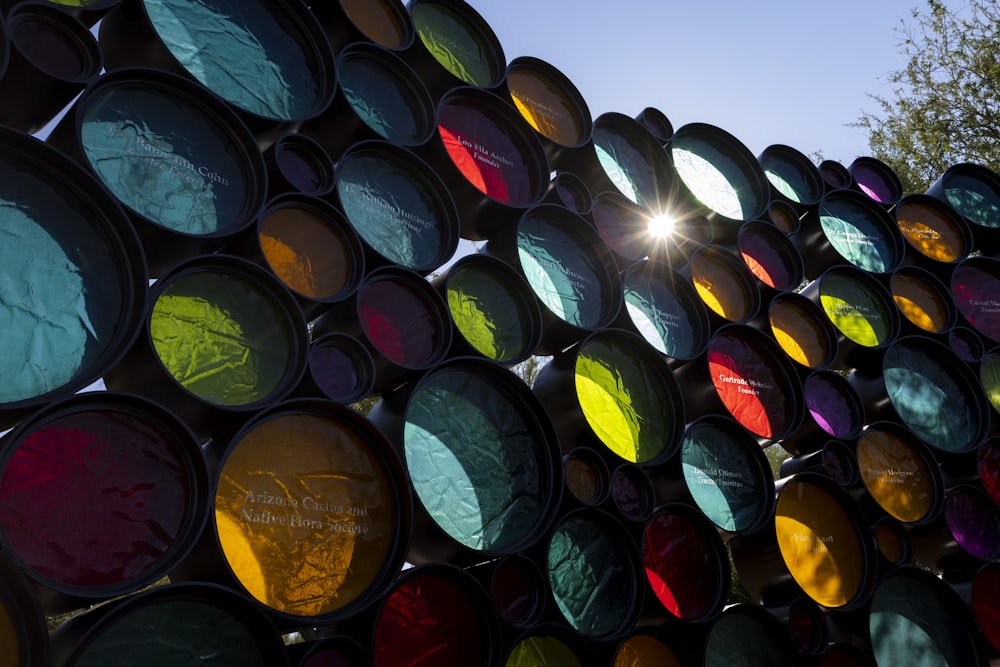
661 226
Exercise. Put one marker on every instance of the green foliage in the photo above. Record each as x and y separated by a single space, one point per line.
528 369
776 455
945 105
365 405
737 594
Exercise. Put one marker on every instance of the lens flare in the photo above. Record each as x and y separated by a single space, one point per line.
661 226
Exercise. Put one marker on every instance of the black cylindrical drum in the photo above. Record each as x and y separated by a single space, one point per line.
932 392
494 310
53 57
935 230
311 514
570 270
725 475
379 97
967 344
973 520
594 574
296 163
310 247
222 339
438 610
399 317
686 564
877 180
551 104
727 288
900 473
400 208
455 46
73 273
616 388
894 545
834 411
663 307
482 457
567 189
746 633
493 161
808 626
975 288
721 175
657 123
803 331
627 158
632 496
383 22
834 458
103 494
340 368
819 540
624 226
88 12
988 467
783 216
849 227
974 191
861 310
745 373
771 257
989 375
916 616
335 651
268 59
654 645
793 177
925 304
550 644
517 587
586 476
188 623
181 162
835 175
985 603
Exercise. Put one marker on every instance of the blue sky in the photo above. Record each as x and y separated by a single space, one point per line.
790 72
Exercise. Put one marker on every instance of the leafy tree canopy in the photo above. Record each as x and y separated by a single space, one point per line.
945 104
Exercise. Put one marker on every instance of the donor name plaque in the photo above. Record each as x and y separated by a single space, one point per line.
305 511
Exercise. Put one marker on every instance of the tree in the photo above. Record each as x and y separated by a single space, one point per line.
365 405
945 106
528 369
776 455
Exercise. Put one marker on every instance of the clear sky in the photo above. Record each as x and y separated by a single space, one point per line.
792 72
